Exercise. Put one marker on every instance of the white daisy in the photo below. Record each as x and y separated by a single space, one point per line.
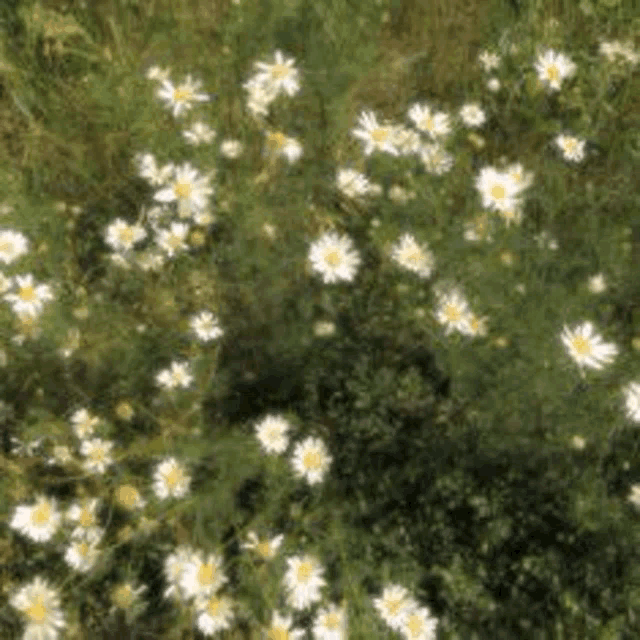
202 576
81 554
376 137
453 312
334 258
83 423
435 158
178 375
493 84
632 401
174 566
311 460
125 596
572 148
129 497
406 140
157 73
437 125
61 455
173 240
597 283
261 95
586 347
98 456
512 215
474 325
412 256
399 195
303 581
189 190
39 522
280 629
278 144
181 98
489 61
352 183
330 623
170 479
150 261
213 613
121 236
497 190
266 549
281 75
40 606
419 625
553 68
30 297
199 133
634 495
271 431
206 326
12 245
231 149
394 605
149 170
472 115
84 515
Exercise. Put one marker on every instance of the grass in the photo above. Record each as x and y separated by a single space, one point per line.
455 470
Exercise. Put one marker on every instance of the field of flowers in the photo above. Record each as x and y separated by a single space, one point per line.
319 319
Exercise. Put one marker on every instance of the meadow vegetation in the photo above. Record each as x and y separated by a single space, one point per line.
320 319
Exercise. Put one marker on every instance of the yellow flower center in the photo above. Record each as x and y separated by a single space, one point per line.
552 73
97 454
182 190
332 621
413 256
83 549
41 514
37 612
182 95
276 141
126 236
452 313
279 71
174 477
380 134
333 258
213 606
123 596
304 571
570 145
312 460
498 192
481 225
174 242
128 496
27 293
278 633
264 549
86 517
394 605
414 625
6 246
581 345
427 123
207 573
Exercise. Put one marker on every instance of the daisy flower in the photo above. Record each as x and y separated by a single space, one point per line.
39 522
281 629
281 75
189 190
634 495
632 401
261 95
149 170
475 326
121 236
157 73
586 347
330 623
493 84
12 245
394 605
352 183
412 256
170 479
30 297
616 50
419 625
81 554
199 133
597 283
303 581
213 613
572 148
278 144
435 158
512 215
489 61
150 261
40 605
84 514
497 190
437 125
376 137
174 566
231 149
472 115
83 423
521 178
202 576
129 497
178 375
311 460
553 68
61 455
453 312
406 140
334 258
181 98
266 549
478 229
125 595
206 326
97 452
272 433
